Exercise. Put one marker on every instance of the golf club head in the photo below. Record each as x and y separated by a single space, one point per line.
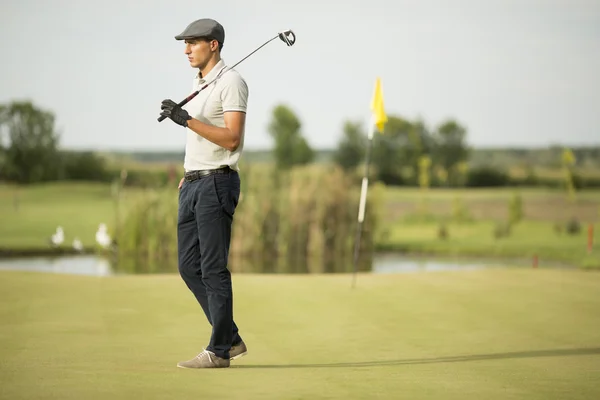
288 37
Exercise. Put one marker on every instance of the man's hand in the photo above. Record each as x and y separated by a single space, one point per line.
175 112
181 183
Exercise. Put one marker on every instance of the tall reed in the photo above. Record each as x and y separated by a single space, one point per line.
298 221
147 234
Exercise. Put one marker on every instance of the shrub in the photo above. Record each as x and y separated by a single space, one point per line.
147 178
487 177
443 232
515 209
590 182
573 227
85 166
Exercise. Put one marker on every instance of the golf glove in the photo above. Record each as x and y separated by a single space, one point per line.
175 112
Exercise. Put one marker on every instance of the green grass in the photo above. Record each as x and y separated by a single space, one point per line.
405 230
488 334
398 194
30 215
80 208
527 239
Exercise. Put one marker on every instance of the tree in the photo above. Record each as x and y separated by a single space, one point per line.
351 148
568 161
3 146
391 150
290 146
84 166
2 161
451 148
31 154
398 151
419 147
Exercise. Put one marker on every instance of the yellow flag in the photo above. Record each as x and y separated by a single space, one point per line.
379 117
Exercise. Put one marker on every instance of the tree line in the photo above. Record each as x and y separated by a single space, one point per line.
413 153
396 152
408 152
30 153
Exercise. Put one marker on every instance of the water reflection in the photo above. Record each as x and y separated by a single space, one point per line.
390 263
255 265
394 263
382 264
80 265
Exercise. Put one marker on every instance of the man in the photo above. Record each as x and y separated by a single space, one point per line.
209 192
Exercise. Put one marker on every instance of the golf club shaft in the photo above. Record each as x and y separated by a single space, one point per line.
191 96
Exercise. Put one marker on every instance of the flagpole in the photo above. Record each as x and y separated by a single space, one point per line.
363 200
378 119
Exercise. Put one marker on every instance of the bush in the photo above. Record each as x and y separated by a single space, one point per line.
393 179
590 183
573 227
487 177
84 166
515 209
579 182
147 178
443 232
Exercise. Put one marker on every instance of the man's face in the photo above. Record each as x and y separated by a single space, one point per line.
199 51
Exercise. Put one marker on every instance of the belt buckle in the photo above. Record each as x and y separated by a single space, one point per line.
195 175
191 176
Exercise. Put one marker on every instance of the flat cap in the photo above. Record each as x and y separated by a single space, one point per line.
204 27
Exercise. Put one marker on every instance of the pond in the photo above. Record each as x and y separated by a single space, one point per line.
382 264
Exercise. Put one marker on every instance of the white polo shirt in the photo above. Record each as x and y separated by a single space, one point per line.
228 93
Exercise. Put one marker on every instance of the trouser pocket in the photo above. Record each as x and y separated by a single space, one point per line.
227 191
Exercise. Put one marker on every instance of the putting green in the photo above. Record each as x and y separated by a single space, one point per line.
487 334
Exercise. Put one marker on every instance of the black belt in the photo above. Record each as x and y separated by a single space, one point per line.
193 175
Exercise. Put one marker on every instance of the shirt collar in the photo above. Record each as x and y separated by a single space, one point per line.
213 72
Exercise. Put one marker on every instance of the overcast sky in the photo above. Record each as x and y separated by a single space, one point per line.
518 72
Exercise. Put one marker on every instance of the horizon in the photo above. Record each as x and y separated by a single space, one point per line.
331 149
514 73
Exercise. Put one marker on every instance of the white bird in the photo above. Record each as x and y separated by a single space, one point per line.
102 236
77 245
58 237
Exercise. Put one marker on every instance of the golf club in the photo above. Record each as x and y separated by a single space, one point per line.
288 37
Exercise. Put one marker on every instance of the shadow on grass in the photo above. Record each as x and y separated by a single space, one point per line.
412 361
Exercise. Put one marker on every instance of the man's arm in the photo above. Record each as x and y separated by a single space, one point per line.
234 100
228 137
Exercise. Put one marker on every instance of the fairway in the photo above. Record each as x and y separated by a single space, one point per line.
31 214
486 334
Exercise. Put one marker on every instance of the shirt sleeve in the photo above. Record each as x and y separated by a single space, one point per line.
234 96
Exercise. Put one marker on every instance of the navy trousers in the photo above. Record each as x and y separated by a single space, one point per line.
206 209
